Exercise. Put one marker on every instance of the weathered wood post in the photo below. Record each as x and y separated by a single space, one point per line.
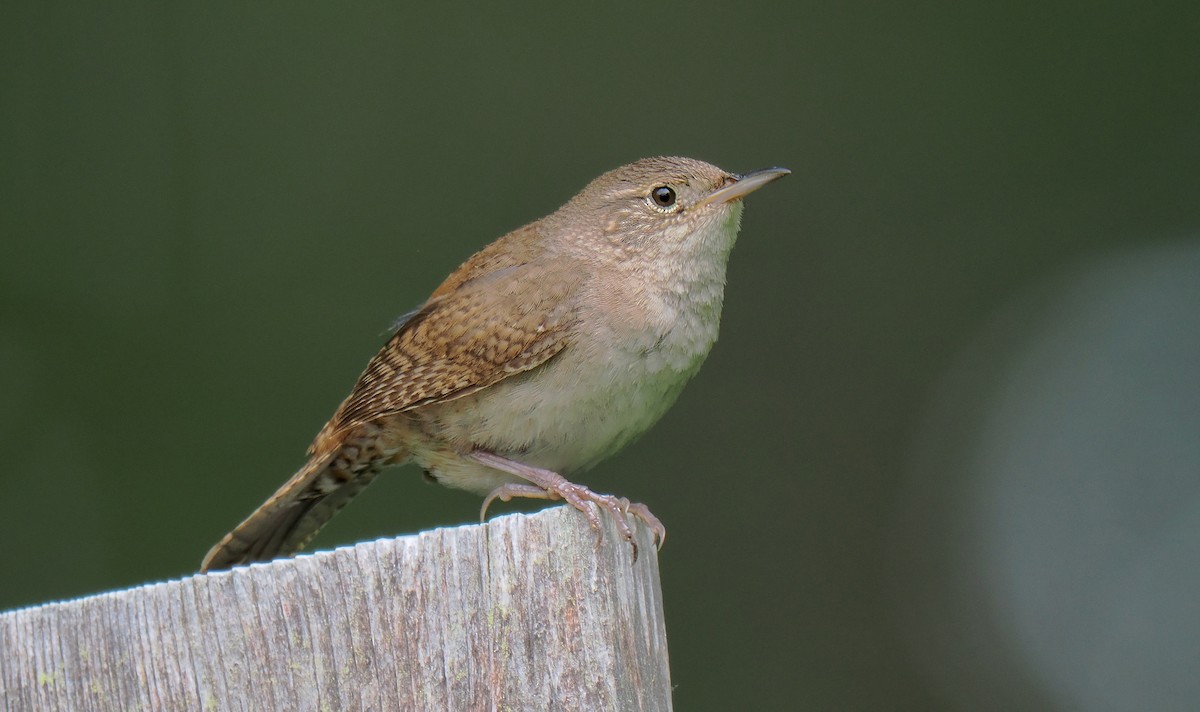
525 613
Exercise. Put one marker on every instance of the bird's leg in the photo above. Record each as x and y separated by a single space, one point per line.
546 484
506 492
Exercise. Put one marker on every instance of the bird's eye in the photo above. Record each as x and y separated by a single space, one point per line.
663 196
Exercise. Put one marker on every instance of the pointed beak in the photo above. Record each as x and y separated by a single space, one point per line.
744 186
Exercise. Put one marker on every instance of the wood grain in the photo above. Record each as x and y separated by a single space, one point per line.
525 613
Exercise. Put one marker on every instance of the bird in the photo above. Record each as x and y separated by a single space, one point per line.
545 352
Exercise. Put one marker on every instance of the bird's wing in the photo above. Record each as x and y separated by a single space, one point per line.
469 335
478 333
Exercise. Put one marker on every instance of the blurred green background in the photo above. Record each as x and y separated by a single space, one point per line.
210 214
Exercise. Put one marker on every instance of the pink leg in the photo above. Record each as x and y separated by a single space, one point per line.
506 492
546 484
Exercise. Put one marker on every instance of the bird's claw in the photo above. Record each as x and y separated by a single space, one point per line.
545 484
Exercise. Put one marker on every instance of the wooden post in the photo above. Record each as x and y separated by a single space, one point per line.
525 613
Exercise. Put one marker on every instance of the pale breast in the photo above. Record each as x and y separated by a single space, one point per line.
639 342
573 412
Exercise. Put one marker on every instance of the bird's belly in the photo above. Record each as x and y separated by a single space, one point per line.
565 416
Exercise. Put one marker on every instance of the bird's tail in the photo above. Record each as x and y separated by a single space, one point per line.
294 514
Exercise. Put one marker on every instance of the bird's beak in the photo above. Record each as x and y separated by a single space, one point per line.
744 186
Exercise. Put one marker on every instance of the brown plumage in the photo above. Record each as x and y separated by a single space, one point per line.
467 385
464 338
471 333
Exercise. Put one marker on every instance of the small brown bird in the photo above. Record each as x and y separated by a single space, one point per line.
544 353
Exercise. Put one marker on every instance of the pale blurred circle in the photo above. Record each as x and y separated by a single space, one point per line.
1048 537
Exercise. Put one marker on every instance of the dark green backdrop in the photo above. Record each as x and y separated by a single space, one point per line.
210 215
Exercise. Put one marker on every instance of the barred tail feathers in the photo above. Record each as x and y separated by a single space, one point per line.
292 516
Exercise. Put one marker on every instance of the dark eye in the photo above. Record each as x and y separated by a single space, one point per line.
663 196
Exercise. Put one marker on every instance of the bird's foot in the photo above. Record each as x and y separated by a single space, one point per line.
546 484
